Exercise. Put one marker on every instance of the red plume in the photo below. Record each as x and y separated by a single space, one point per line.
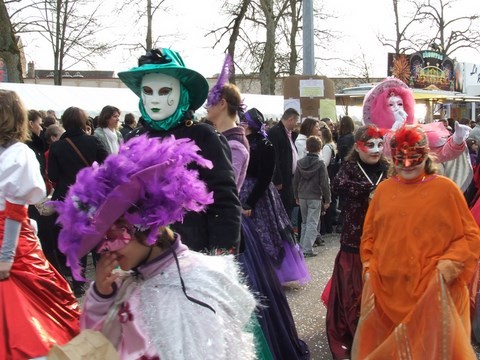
408 136
374 132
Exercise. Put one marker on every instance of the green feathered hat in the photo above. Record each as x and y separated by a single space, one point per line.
168 62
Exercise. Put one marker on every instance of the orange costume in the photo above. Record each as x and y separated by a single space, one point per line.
408 310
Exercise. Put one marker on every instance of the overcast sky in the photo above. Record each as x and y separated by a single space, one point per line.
190 20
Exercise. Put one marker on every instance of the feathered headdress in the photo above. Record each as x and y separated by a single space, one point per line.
409 137
409 146
368 132
375 104
148 183
215 94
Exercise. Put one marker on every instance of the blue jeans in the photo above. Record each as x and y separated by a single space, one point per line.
310 210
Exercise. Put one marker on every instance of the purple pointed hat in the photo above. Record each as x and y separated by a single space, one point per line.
215 94
148 183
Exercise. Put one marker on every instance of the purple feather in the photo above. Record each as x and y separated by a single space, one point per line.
215 94
168 191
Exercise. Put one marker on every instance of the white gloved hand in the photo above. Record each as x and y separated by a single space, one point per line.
461 133
400 117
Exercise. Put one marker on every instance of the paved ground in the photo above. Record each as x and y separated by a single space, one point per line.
307 308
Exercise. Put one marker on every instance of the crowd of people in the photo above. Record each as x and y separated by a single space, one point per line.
194 227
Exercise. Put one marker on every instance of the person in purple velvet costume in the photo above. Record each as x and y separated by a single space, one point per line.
225 108
261 198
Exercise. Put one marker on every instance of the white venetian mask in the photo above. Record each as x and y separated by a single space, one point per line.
160 95
374 146
395 103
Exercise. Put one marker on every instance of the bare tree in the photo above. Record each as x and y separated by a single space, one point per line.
359 67
439 32
289 28
232 29
296 18
253 37
147 14
324 37
267 67
449 33
69 26
9 52
263 35
288 23
405 39
263 48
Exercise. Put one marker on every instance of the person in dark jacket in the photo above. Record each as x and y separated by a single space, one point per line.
39 145
311 189
345 137
129 123
37 142
170 93
63 165
280 136
344 146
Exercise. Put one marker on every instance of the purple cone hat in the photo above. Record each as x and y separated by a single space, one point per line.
149 182
215 94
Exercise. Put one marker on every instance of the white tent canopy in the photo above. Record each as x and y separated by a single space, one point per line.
59 98
93 99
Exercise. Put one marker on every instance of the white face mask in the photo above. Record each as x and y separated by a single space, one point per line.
160 95
395 103
374 146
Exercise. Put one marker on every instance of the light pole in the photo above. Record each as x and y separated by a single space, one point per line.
308 43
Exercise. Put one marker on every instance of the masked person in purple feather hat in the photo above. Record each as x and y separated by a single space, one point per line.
169 94
165 301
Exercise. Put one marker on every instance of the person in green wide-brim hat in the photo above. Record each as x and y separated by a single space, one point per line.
169 94
164 67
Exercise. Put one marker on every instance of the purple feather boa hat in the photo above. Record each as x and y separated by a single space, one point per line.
148 183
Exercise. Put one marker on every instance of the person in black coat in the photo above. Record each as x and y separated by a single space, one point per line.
345 139
170 93
37 138
63 166
344 146
38 144
129 123
63 161
285 156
